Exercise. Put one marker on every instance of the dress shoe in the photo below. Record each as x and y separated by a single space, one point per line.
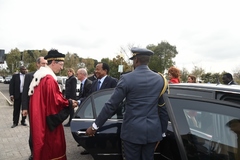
30 157
84 152
14 125
67 125
23 124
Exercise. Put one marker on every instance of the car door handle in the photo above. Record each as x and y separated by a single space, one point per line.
83 133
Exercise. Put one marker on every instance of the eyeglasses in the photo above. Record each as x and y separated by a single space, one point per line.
60 63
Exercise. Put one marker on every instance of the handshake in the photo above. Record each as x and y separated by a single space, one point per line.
74 103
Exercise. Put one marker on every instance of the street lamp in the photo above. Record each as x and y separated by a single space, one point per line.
120 67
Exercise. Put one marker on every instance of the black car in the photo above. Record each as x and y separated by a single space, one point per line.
200 125
7 79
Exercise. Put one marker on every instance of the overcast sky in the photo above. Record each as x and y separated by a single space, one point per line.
206 33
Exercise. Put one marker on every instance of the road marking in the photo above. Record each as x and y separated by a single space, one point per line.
10 103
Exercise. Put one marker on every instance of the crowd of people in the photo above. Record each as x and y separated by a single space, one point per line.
42 101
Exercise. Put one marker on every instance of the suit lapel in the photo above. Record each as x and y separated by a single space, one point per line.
105 82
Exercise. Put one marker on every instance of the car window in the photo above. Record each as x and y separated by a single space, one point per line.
85 112
64 80
204 128
94 104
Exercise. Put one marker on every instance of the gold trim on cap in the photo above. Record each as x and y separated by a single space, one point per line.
134 54
56 59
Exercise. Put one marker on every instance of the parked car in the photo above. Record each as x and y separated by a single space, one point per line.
1 79
200 125
61 83
7 79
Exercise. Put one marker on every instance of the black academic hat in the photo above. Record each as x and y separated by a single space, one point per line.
53 54
140 51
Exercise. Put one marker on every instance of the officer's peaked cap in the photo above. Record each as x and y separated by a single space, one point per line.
140 51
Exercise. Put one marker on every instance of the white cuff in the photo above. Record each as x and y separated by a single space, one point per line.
79 102
94 126
163 135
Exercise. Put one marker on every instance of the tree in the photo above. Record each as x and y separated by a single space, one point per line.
198 71
90 64
72 60
184 75
12 59
236 75
113 65
163 56
29 58
211 78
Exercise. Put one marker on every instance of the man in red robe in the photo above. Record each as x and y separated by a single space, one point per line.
48 109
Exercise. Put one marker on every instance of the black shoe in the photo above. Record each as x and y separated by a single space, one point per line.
84 152
14 125
67 125
30 157
23 124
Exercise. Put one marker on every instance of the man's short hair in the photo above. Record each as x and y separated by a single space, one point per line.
228 75
105 66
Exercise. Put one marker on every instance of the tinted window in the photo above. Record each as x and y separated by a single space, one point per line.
94 104
204 130
101 100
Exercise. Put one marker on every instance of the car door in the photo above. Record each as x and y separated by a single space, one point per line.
202 127
106 143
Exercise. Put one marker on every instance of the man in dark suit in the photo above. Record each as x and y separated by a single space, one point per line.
103 81
142 126
85 84
15 90
70 91
41 62
228 79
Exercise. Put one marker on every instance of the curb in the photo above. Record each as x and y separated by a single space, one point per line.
9 102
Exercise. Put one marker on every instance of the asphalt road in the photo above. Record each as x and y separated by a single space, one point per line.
14 141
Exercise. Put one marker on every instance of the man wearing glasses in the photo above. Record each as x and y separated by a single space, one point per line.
48 109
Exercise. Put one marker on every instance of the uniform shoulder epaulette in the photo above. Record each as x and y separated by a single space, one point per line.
165 85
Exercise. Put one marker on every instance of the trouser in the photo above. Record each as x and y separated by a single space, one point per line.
132 151
16 111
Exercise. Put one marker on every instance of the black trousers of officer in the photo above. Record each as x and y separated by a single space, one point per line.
132 151
16 110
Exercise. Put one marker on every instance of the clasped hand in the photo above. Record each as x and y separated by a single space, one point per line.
74 103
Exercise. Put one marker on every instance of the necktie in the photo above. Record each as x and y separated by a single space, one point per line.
98 85
81 89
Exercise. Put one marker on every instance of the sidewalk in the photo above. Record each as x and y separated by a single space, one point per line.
14 141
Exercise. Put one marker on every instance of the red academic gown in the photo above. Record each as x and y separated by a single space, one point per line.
47 100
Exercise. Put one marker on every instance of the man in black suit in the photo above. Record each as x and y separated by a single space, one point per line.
15 90
103 80
70 92
41 62
228 79
85 84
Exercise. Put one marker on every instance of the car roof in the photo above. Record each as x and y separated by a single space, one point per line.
206 86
